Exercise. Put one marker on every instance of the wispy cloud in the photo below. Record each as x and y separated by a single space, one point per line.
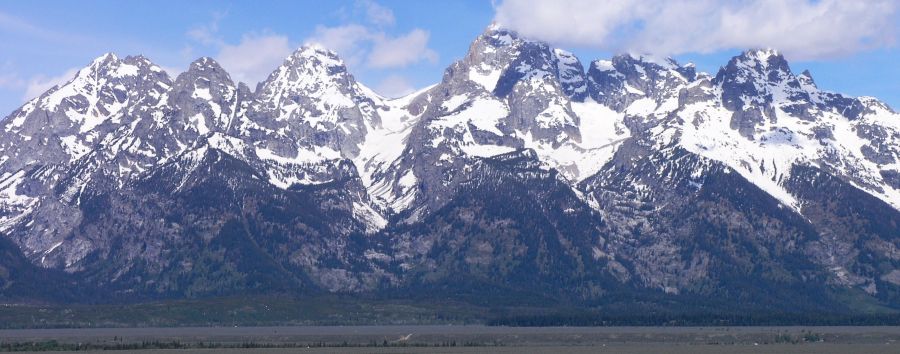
12 24
803 29
395 86
250 60
29 85
10 81
254 57
371 44
402 51
9 78
351 41
359 44
34 86
207 34
41 83
364 45
377 14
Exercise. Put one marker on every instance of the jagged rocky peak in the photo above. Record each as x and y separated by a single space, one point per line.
619 82
571 75
755 84
105 85
311 70
312 100
753 77
488 57
769 62
205 97
807 82
535 81
137 74
874 105
499 58
633 63
209 70
71 119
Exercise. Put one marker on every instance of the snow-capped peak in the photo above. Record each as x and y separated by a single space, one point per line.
807 82
311 71
310 113
494 26
503 35
762 120
758 78
205 97
765 65
638 84
204 64
99 92
88 79
645 61
204 71
104 59
315 56
762 54
661 61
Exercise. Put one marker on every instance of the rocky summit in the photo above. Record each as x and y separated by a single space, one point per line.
524 173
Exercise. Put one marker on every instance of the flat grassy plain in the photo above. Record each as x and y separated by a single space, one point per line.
333 324
458 339
621 348
334 310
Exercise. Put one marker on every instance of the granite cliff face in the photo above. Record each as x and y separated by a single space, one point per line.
522 171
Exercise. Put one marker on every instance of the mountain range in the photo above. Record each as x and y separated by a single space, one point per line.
524 173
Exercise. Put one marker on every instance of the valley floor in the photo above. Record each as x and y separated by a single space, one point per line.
458 339
619 348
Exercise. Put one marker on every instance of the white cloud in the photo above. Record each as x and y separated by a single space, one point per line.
11 81
20 26
395 86
9 78
357 44
575 21
371 44
41 83
401 51
803 29
351 42
257 54
207 34
254 57
249 61
34 86
376 14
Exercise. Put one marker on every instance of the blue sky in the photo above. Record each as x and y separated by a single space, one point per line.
397 46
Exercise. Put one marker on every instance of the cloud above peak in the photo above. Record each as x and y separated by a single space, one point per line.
395 86
402 50
255 56
802 29
41 83
370 44
358 44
